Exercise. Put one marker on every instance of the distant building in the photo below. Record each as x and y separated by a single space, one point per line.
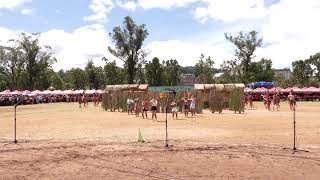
285 73
188 80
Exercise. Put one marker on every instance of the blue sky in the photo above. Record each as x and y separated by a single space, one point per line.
181 29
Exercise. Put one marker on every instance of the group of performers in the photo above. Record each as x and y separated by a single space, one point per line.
273 100
83 99
136 107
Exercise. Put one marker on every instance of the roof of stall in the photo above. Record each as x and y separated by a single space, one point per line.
143 87
127 87
219 87
198 87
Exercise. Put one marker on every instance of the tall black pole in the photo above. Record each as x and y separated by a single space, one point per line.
167 143
294 129
15 124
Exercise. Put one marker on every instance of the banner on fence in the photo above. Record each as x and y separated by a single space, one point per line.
170 88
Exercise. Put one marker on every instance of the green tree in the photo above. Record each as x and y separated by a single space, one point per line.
246 44
187 70
282 82
128 42
229 72
171 72
314 60
77 78
261 71
11 66
94 75
56 81
112 73
38 60
141 74
301 72
154 72
204 70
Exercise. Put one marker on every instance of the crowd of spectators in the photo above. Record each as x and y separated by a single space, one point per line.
25 99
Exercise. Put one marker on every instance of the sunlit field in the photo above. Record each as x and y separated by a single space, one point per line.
90 142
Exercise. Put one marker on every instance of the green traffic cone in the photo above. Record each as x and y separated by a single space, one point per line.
140 136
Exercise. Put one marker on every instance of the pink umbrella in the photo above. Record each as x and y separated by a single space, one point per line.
68 92
287 90
246 90
297 90
26 92
90 91
101 92
36 92
78 91
16 92
305 90
313 90
46 92
56 92
274 90
5 92
260 90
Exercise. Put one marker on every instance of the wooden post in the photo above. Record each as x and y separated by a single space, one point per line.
294 129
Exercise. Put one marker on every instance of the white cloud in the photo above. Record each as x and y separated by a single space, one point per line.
100 9
6 34
231 10
129 5
10 4
165 4
188 52
26 11
292 30
72 49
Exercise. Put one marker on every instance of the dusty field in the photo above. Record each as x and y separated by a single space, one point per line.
61 141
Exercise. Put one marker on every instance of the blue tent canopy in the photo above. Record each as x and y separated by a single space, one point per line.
260 84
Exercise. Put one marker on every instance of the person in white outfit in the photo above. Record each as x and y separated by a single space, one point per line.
193 106
154 105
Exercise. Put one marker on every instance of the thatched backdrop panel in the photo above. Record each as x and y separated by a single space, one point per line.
219 87
229 87
199 87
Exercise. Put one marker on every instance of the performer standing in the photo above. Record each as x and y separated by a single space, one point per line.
145 108
80 100
250 100
193 106
185 106
95 99
154 105
292 101
267 100
174 109
130 104
137 107
276 101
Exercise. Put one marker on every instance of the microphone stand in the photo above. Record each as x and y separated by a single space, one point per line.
174 97
15 120
167 143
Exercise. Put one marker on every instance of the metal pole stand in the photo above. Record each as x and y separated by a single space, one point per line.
294 129
15 124
167 141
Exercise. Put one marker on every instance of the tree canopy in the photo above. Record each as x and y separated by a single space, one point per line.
128 41
246 44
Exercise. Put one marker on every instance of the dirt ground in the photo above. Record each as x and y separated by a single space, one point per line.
61 141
